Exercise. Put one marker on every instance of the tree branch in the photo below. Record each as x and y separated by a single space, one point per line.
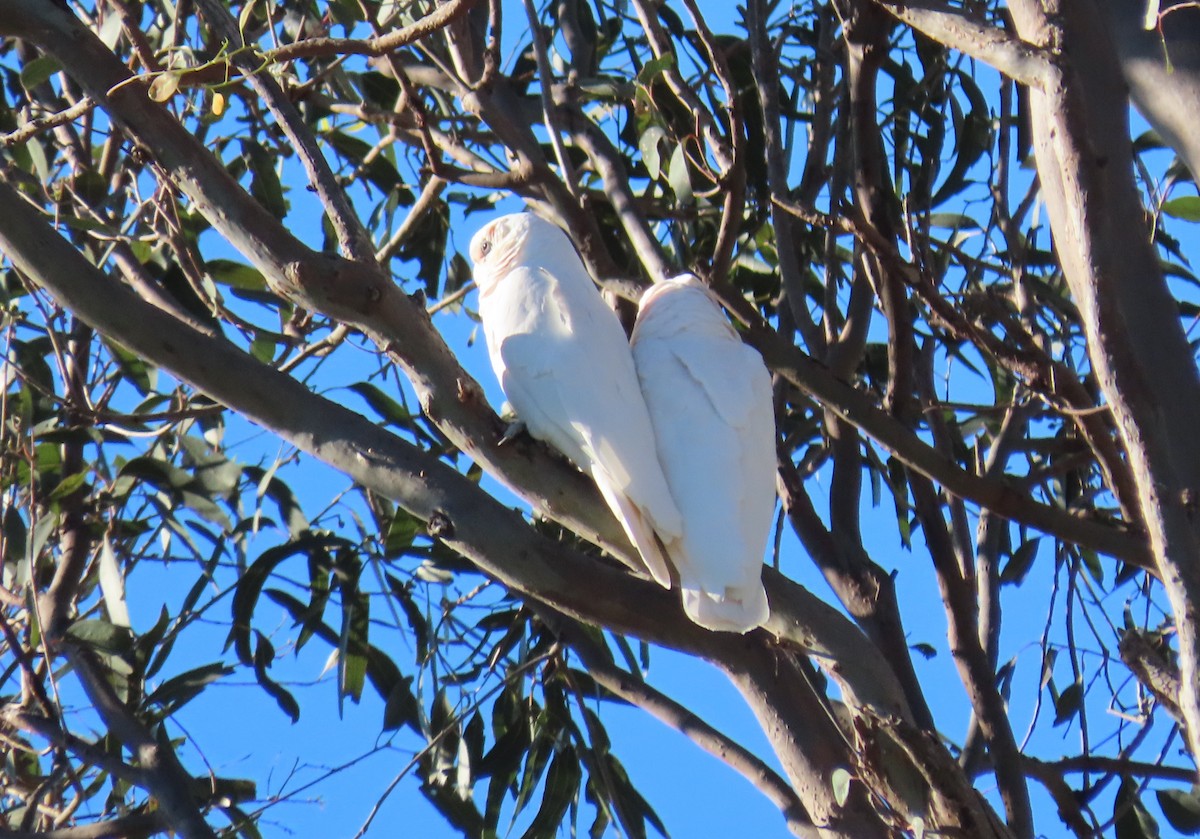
1020 61
132 826
495 538
162 774
384 44
1136 343
635 691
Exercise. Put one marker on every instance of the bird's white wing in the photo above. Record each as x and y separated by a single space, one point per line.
571 379
709 399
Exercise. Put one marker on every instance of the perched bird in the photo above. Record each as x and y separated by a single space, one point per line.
564 363
710 402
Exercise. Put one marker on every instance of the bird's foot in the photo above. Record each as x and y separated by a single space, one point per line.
514 428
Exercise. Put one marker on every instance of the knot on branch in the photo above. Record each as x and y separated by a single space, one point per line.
440 526
334 285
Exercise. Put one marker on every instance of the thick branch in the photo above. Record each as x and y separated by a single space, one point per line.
133 826
1136 343
957 30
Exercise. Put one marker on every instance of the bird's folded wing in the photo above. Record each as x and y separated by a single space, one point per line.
731 375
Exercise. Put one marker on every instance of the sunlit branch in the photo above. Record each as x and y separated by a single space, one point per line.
1017 59
37 126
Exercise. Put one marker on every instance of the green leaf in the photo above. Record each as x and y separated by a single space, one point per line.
1186 207
841 785
235 274
271 486
135 368
157 472
1068 703
351 660
1091 561
385 406
102 635
177 691
379 170
1131 820
250 586
264 656
402 531
1182 809
1021 561
68 486
416 619
562 789
213 473
39 70
679 178
536 758
15 532
401 707
654 68
265 185
648 145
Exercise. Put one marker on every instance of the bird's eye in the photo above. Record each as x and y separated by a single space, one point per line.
485 247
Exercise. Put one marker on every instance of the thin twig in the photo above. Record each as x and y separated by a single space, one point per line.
35 127
352 235
567 171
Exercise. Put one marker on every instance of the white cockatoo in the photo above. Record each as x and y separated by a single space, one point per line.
710 402
565 366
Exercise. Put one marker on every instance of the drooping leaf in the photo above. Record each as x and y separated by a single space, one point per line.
1068 703
264 656
1131 819
1181 808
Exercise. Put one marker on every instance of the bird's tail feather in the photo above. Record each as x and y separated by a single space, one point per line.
736 610
639 530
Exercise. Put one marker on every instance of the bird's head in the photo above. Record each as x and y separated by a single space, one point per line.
497 248
518 239
501 245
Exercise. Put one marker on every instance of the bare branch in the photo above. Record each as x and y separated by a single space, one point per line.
1020 61
384 44
37 126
